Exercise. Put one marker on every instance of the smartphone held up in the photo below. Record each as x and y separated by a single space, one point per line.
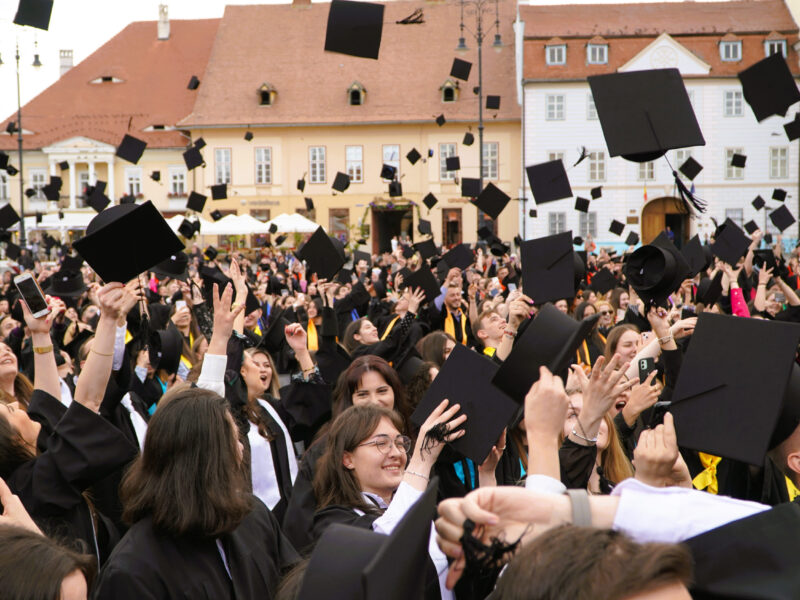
30 291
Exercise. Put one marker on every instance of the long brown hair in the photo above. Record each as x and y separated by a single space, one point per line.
349 340
615 464
13 449
333 483
431 347
23 390
253 408
612 339
189 478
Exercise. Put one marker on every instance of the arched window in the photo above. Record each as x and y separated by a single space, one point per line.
356 94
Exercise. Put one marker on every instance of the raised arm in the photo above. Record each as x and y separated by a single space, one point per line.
760 301
545 412
44 358
240 285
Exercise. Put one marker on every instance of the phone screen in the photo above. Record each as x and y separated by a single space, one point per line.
512 287
30 291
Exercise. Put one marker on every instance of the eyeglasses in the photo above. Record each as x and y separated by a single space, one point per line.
605 312
384 443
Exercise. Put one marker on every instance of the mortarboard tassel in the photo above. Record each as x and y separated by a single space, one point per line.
690 201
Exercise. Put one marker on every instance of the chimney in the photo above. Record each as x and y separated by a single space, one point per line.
163 22
65 57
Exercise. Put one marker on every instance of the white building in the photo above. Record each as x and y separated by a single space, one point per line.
709 43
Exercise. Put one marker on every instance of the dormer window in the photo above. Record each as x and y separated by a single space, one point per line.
730 51
449 91
266 94
106 79
556 54
356 94
596 54
775 46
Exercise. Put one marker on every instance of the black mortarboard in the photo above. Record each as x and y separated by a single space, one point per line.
656 270
63 165
113 242
52 191
751 557
30 193
11 128
429 200
548 268
395 189
309 203
763 258
127 199
273 228
470 187
211 253
407 251
97 198
695 254
359 255
196 202
131 149
467 380
532 213
645 113
344 276
782 218
469 139
758 203
779 194
301 184
750 227
280 239
38 217
354 28
424 227
4 160
155 175
165 347
769 87
11 170
603 281
426 281
194 83
199 143
342 180
192 158
690 168
8 217
767 238
581 204
730 243
792 128
632 239
440 120
388 172
174 266
460 69
728 402
485 233
492 102
549 181
597 192
459 256
12 250
616 227
248 135
216 215
738 160
413 156
186 229
550 340
709 289
34 13
492 200
426 249
577 241
453 163
219 191
323 255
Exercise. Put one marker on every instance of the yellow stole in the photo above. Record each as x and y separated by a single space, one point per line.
450 326
793 491
707 478
389 327
313 342
489 351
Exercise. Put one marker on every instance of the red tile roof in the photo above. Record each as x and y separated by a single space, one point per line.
153 91
282 44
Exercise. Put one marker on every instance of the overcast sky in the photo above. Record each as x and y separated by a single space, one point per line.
85 25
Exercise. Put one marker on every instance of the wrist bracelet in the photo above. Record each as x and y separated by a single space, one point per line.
510 333
665 339
421 476
42 349
585 439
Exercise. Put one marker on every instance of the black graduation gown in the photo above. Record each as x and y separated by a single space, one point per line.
82 449
149 566
299 518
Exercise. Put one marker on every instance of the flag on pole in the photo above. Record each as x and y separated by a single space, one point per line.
645 193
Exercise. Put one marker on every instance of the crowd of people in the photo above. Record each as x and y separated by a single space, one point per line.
209 428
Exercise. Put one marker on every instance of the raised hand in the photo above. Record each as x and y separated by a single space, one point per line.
657 459
641 397
428 447
415 298
296 337
224 316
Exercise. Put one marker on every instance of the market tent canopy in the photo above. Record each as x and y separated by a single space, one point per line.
293 223
50 221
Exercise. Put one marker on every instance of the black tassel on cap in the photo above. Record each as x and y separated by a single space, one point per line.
691 202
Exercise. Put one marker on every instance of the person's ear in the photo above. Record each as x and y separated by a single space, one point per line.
482 335
793 462
357 337
347 461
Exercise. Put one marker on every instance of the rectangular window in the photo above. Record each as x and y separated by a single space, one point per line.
736 215
391 156
647 171
779 163
554 107
587 224
177 181
597 54
730 51
451 226
316 164
733 103
490 168
555 155
3 187
354 157
597 165
556 55
446 150
38 181
591 109
222 165
133 181
263 165
732 172
556 222
775 47
681 156
339 223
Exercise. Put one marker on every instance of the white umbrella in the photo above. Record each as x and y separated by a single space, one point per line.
293 223
252 224
50 221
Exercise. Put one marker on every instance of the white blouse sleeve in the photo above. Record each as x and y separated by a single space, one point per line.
212 374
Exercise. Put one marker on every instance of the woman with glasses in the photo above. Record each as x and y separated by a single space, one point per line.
366 478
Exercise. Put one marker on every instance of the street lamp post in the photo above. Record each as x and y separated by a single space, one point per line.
478 8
